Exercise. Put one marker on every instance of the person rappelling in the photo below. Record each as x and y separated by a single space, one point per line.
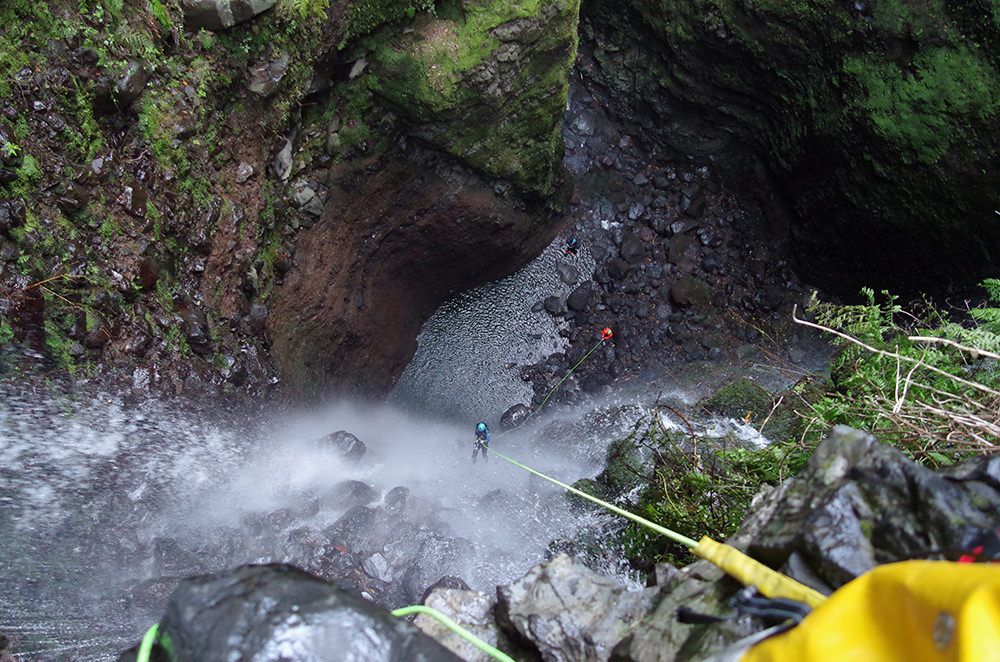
482 441
572 246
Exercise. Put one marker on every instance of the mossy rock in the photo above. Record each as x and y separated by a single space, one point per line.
487 84
742 399
589 486
624 470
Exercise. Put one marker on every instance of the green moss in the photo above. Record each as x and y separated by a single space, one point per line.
6 332
435 77
364 16
742 399
925 110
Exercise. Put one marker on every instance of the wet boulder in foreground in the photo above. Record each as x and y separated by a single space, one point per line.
278 612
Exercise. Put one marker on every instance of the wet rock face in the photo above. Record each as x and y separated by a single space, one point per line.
857 504
221 14
878 196
488 88
278 611
367 275
570 612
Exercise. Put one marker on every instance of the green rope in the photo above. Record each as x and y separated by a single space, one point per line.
673 535
555 388
493 652
148 640
152 634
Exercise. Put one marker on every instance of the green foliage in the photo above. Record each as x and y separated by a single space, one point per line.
702 493
925 107
364 16
6 332
919 376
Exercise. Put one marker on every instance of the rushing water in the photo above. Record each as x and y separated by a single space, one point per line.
98 499
466 365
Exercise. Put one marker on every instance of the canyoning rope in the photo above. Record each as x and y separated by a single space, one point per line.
730 560
492 651
148 641
153 633
606 335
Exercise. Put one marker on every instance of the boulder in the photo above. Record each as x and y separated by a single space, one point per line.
472 610
438 557
569 612
632 249
568 273
577 300
345 444
272 612
266 75
690 291
221 14
514 417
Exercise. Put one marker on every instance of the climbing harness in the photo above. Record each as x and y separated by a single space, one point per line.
152 636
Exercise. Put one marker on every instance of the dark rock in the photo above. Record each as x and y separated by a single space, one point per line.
264 612
281 164
396 499
632 249
12 214
149 272
195 328
446 582
348 494
361 529
595 382
266 76
556 602
555 305
577 300
133 199
221 14
346 444
589 486
679 246
514 417
694 205
568 273
170 559
126 90
438 557
618 268
688 291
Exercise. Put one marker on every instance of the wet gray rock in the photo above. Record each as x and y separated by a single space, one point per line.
376 566
280 612
12 214
858 503
345 444
361 529
554 305
472 610
632 249
266 76
514 416
569 612
438 557
127 89
396 499
221 14
577 300
244 171
348 494
281 164
689 291
568 273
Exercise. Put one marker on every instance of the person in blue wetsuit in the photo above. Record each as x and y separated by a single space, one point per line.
482 443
